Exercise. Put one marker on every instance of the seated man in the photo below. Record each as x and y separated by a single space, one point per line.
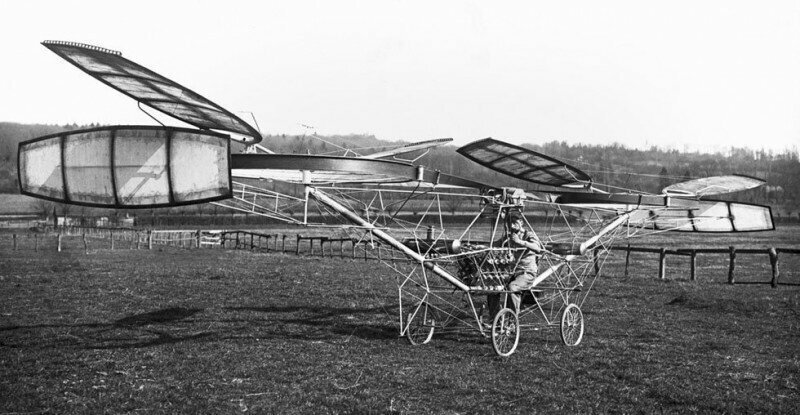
527 249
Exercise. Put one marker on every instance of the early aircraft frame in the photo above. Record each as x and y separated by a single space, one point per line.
443 270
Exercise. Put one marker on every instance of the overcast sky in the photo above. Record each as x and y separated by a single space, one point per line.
688 75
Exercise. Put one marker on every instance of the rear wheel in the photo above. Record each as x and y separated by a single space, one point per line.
505 332
572 325
420 325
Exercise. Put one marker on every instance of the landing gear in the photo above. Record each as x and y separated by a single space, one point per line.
420 325
572 325
505 332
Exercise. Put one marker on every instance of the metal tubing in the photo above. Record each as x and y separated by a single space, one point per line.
611 226
323 198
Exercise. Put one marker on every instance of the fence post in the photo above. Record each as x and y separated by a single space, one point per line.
111 235
85 244
731 279
59 242
353 243
662 263
149 239
15 241
627 259
283 245
773 260
297 248
693 265
197 238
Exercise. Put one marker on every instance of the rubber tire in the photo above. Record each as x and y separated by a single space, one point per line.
505 332
420 330
572 325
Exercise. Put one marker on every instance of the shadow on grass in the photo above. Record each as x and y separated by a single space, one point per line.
317 323
166 315
337 321
170 326
125 333
176 325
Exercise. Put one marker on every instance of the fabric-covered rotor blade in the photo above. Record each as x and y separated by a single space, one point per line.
707 216
616 201
714 185
152 89
422 145
315 169
127 167
524 164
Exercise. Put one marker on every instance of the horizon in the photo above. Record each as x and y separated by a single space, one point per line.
689 77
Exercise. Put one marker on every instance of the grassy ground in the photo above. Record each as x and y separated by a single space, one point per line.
217 331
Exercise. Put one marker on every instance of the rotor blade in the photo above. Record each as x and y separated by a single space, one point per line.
314 169
523 164
611 201
152 89
714 185
706 216
127 167
422 145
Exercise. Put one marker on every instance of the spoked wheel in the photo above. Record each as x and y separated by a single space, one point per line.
420 326
572 325
505 332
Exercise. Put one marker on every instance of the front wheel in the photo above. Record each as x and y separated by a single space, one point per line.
420 325
572 325
505 332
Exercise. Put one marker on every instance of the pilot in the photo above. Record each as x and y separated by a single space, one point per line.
527 250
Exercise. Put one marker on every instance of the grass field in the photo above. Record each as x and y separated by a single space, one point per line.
216 331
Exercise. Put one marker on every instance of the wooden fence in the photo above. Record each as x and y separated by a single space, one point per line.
309 245
110 238
732 251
